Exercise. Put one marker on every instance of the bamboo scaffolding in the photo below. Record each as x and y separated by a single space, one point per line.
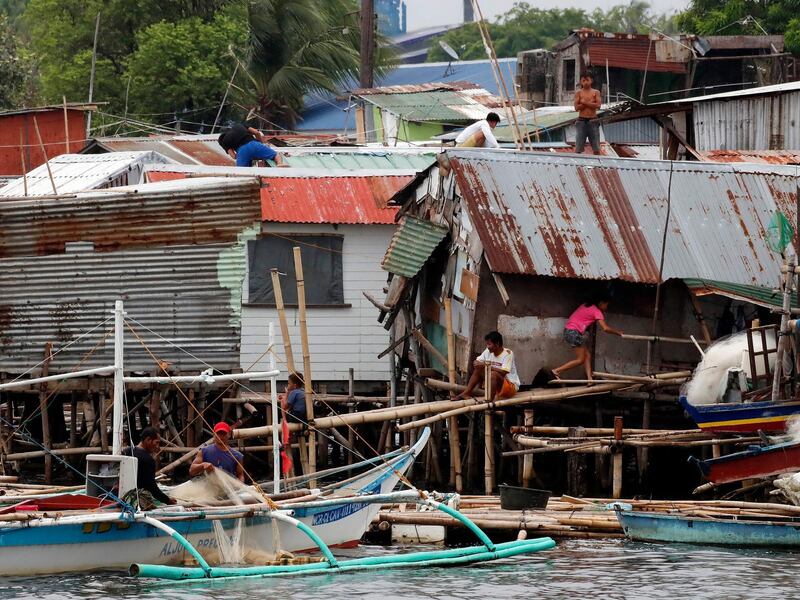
309 391
287 341
452 423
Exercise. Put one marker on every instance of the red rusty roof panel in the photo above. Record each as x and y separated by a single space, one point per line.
354 200
769 157
605 218
636 52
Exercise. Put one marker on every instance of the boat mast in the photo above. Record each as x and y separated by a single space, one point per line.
119 385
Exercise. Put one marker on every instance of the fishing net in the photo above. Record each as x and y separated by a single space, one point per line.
213 488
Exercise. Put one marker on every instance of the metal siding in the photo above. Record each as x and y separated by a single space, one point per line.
196 212
16 124
412 243
174 291
764 157
636 53
600 218
633 131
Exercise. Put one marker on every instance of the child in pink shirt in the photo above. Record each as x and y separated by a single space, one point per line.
575 335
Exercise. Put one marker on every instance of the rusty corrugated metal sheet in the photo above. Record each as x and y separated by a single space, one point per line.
627 52
768 157
176 291
603 218
199 211
415 88
183 149
16 124
361 200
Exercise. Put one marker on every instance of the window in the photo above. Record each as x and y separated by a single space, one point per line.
568 74
322 269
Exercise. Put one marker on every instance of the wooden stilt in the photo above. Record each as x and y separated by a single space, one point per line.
643 454
192 438
488 468
576 467
45 414
616 491
309 392
452 423
527 460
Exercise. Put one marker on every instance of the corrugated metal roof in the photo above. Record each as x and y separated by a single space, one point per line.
412 243
175 291
81 106
308 196
184 149
769 157
603 218
763 296
779 88
363 158
451 106
79 172
200 211
354 200
416 88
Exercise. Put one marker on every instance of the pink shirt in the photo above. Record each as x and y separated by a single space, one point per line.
583 317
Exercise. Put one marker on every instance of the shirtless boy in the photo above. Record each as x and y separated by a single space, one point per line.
587 101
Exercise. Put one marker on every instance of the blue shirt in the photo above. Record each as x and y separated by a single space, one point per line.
296 401
222 459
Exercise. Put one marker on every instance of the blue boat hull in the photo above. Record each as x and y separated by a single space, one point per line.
655 527
746 417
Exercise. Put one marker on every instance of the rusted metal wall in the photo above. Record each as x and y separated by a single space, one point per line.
20 126
175 253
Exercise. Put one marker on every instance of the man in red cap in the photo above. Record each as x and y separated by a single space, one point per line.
218 455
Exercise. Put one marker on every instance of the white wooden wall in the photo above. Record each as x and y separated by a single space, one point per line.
340 338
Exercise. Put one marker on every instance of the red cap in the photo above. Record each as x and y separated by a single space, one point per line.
222 426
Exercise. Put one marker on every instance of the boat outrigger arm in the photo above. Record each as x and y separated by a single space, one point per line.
455 556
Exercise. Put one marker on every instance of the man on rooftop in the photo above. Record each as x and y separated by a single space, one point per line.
587 101
246 144
479 134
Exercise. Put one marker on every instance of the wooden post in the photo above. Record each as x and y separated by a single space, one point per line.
66 125
576 466
24 166
527 460
617 460
45 413
455 443
287 341
155 406
488 468
309 392
698 314
351 408
44 153
643 454
101 400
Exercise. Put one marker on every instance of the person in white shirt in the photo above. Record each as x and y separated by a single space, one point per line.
479 134
504 378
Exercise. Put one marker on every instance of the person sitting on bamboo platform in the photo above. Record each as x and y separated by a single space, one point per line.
218 455
479 134
147 491
575 334
293 402
504 378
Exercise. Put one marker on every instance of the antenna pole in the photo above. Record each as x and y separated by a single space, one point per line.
119 385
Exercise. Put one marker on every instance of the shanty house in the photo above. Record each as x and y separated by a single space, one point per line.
519 240
342 223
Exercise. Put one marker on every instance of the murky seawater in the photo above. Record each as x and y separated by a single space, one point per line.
573 570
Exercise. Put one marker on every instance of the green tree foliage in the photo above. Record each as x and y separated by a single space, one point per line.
729 17
12 8
296 47
525 27
15 68
183 65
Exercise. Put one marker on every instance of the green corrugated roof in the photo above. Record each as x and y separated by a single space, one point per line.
412 243
542 122
425 106
768 297
361 160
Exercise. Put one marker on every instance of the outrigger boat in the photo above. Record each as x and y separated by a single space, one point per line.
744 417
151 543
756 461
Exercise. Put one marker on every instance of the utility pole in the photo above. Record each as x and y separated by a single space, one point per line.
367 43
469 15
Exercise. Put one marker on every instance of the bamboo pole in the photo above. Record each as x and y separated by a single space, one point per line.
287 341
455 442
527 461
45 413
66 125
309 392
488 468
53 452
44 153
24 166
617 460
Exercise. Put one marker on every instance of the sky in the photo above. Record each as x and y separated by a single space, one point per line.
427 13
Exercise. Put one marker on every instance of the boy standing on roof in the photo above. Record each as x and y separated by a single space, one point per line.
587 101
479 134
246 144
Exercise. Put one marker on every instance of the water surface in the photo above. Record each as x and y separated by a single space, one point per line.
573 570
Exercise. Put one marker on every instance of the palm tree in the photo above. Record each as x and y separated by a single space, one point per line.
297 47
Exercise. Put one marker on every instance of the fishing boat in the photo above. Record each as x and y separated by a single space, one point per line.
756 461
660 527
744 417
